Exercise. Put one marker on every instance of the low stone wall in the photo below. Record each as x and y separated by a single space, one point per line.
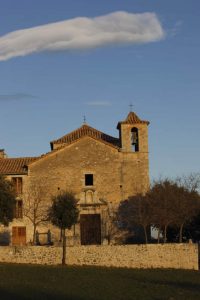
178 256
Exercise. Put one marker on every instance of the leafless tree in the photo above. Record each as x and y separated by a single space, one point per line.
191 181
35 205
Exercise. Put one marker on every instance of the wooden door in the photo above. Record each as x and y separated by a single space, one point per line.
18 235
90 226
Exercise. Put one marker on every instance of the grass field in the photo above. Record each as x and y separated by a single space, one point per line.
78 283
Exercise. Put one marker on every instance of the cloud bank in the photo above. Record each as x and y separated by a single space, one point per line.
18 96
83 33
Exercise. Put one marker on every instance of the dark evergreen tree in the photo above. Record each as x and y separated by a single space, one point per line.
64 214
7 201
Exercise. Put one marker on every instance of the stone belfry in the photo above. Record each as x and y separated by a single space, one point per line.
133 134
133 140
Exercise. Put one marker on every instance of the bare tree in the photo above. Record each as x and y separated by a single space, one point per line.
35 205
191 181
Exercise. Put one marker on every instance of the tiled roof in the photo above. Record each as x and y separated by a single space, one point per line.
132 118
15 165
86 130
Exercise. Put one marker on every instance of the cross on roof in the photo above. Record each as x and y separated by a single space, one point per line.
131 107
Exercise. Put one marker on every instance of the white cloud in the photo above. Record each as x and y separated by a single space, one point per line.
98 103
83 33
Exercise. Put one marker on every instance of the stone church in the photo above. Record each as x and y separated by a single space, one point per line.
99 169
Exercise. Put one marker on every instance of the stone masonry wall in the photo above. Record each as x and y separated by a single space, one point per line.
115 172
177 256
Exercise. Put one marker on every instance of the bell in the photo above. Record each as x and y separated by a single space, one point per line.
134 137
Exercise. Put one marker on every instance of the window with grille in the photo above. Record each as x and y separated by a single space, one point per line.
17 183
19 209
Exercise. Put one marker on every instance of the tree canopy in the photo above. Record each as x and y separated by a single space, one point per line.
63 212
134 212
168 204
172 205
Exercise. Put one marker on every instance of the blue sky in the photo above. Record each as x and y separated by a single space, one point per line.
44 94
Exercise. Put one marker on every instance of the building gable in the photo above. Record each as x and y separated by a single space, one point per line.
84 130
82 144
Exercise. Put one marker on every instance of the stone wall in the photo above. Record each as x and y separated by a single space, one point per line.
114 178
178 256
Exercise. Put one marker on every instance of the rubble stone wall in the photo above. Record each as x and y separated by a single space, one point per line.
177 256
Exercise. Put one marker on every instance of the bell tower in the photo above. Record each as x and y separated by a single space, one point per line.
133 134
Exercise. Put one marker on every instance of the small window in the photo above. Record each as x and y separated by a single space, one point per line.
19 209
88 179
17 183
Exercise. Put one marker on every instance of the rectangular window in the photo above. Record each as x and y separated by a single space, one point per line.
88 179
19 209
17 183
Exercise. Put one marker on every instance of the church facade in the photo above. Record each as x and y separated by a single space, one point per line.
99 169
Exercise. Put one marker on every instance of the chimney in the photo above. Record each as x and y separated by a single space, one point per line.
2 153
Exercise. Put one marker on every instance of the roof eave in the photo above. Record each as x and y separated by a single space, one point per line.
134 123
14 173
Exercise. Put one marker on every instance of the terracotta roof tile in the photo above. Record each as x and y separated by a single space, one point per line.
132 118
14 165
86 130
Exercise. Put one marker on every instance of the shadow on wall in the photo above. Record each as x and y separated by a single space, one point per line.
5 238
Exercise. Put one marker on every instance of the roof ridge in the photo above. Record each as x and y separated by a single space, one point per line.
85 130
25 157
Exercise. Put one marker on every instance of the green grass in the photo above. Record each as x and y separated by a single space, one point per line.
78 283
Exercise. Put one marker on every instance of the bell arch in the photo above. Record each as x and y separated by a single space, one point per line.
135 139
